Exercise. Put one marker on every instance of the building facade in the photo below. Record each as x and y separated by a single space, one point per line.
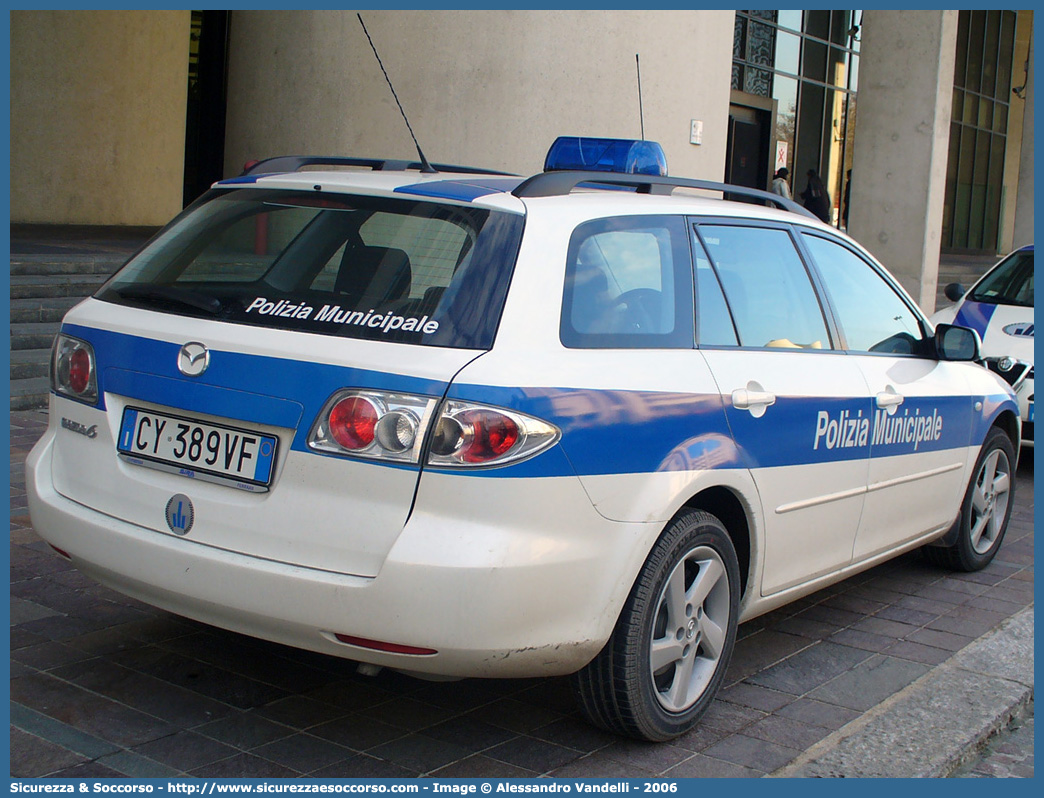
121 118
803 69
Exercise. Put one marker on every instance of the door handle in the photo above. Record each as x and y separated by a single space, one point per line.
753 398
889 399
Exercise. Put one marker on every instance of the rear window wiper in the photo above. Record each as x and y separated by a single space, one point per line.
170 293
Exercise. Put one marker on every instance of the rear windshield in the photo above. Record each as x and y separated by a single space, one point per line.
359 267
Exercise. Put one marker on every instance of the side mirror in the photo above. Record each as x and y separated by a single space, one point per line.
954 291
957 343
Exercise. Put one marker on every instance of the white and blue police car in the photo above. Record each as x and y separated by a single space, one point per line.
999 307
465 424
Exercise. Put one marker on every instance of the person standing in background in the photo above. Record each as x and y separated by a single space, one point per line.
815 196
779 183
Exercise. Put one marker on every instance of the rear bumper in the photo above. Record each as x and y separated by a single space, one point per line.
492 600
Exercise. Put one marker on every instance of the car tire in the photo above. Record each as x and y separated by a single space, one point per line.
986 508
672 643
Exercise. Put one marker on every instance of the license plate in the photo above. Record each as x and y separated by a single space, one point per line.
211 452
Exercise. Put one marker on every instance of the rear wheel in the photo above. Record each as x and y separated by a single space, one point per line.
986 509
673 641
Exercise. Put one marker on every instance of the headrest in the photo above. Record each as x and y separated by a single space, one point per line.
374 275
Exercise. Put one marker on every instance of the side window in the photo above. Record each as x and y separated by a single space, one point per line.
872 316
628 284
767 287
713 322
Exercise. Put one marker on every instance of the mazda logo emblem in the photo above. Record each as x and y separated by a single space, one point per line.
193 359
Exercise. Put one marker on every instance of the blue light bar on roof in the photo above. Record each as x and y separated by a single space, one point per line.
631 156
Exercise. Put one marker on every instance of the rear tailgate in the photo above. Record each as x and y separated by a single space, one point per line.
318 510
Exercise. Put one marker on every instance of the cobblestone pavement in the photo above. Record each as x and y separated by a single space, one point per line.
102 685
1008 755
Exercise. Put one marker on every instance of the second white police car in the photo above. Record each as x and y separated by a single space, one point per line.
468 424
999 307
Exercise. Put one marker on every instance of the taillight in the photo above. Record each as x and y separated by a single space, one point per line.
393 426
374 424
469 434
73 369
352 421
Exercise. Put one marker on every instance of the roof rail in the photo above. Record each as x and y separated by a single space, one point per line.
555 184
294 163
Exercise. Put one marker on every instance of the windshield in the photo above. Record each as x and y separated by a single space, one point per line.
1010 282
360 267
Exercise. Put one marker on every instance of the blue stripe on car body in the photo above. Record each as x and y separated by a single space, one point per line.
975 315
245 387
619 432
232 181
463 190
603 431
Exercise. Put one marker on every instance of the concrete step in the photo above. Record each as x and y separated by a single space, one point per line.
33 335
58 279
82 264
52 269
27 394
965 277
41 308
53 286
963 269
27 363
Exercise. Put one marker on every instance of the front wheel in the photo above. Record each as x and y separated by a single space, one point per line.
668 654
986 508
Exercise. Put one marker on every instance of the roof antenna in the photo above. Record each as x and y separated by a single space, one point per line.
641 116
425 166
